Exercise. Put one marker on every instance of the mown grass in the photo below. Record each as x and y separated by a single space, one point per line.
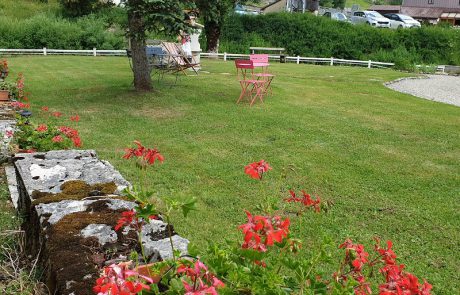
387 160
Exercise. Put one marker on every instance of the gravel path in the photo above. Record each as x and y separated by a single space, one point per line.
440 88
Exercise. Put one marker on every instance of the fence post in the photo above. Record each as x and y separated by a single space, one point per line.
44 51
332 61
369 64
225 56
298 59
94 52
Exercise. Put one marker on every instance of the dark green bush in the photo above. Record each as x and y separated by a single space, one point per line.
307 35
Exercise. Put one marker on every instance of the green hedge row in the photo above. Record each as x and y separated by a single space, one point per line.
53 32
307 35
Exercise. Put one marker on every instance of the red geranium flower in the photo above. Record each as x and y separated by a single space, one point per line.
45 109
126 219
56 114
75 118
42 128
57 138
257 169
76 141
146 154
262 231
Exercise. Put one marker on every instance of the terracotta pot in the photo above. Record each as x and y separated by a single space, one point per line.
145 270
4 95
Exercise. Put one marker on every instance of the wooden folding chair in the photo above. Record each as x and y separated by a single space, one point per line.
178 60
261 60
250 87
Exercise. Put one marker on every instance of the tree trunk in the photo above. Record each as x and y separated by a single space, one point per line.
142 79
212 31
313 5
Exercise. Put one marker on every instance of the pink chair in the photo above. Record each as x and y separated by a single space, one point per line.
251 87
261 60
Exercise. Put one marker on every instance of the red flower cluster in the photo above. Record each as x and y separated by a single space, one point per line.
397 281
41 128
120 280
18 104
401 283
306 200
200 280
75 118
127 219
262 231
355 253
56 114
147 154
45 108
256 170
57 138
356 257
72 134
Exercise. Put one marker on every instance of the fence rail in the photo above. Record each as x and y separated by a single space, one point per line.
225 56
299 59
46 51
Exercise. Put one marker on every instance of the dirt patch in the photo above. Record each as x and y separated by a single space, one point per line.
74 190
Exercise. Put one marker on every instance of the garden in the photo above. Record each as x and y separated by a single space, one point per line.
328 187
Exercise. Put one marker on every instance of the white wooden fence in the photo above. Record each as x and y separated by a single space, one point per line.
225 56
315 60
46 51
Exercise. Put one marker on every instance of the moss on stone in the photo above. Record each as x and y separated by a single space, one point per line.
74 190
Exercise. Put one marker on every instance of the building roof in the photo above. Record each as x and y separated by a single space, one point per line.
385 7
421 12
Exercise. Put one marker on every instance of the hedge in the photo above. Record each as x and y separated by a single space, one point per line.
54 32
307 35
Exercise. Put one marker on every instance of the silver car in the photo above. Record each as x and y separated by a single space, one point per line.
336 16
402 21
372 18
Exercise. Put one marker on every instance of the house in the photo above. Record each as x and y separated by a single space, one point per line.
291 6
430 11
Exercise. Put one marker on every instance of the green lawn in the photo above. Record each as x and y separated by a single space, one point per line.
388 161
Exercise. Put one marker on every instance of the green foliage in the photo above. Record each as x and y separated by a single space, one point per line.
53 32
157 16
28 138
307 35
332 3
76 8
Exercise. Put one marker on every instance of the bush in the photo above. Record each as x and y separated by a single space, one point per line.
52 32
307 35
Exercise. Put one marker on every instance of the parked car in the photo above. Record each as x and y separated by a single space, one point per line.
402 21
336 16
372 18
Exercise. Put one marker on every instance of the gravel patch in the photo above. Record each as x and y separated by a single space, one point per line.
445 89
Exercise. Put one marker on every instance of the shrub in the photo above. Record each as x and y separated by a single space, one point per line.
307 35
44 30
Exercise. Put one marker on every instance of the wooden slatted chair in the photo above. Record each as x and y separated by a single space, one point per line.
250 86
261 60
177 59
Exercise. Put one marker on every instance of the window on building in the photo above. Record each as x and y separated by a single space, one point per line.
430 1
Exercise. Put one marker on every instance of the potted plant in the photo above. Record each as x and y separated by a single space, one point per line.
6 89
4 69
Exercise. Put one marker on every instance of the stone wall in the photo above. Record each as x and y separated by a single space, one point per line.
71 201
